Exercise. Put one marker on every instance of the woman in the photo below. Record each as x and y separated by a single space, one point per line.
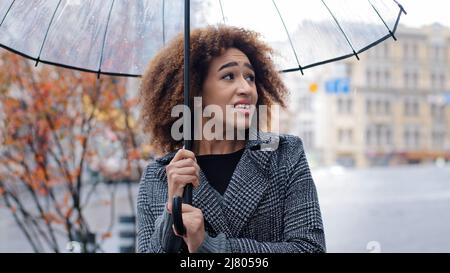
245 199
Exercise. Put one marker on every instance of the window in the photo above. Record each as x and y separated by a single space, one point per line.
442 81
345 136
406 80
406 51
349 106
415 108
379 135
307 134
387 76
437 112
438 80
387 107
434 81
438 53
415 80
378 106
345 105
411 79
389 136
306 104
369 136
377 78
415 51
411 136
369 107
369 77
438 139
348 70
411 107
410 51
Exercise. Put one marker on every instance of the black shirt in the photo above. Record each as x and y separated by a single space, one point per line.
218 168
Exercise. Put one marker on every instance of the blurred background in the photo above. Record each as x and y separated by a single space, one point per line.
376 134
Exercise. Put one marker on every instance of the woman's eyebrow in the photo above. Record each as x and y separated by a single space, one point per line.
230 64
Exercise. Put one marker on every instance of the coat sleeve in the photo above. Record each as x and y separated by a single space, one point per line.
151 229
303 228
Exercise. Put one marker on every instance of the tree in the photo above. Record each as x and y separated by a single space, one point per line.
50 122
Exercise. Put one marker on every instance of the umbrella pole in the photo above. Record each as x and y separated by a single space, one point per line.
187 196
176 242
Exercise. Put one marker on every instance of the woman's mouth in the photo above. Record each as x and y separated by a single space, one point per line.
242 108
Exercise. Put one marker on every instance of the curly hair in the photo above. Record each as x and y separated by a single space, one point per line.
162 83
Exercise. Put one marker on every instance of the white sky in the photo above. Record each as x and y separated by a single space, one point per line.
261 16
424 12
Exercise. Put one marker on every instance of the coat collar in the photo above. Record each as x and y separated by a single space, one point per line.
229 213
259 141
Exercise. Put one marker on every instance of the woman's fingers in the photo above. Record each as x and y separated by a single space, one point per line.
192 218
187 171
176 170
180 180
189 208
187 162
182 170
182 154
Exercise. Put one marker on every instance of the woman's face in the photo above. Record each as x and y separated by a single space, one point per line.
230 84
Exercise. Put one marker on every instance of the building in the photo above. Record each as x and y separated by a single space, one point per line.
395 110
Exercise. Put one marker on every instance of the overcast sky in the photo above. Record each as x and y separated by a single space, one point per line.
423 12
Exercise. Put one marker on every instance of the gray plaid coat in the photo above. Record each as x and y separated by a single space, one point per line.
270 205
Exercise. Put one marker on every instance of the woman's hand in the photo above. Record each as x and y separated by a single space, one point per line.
195 227
182 170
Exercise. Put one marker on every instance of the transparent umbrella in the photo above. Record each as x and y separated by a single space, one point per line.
119 37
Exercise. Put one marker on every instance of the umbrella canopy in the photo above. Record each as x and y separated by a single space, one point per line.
119 37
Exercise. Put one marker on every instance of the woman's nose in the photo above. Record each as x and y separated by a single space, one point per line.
244 87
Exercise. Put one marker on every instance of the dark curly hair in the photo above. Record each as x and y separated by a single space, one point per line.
162 83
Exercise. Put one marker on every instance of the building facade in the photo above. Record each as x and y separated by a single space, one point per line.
395 109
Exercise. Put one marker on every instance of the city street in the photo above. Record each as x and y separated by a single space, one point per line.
400 209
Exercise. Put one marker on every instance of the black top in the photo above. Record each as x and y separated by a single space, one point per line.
218 168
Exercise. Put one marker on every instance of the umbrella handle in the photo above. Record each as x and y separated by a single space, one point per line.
176 214
176 209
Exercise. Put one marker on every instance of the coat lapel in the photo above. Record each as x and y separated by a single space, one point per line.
206 198
247 186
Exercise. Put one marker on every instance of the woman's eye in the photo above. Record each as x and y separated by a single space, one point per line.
251 78
228 77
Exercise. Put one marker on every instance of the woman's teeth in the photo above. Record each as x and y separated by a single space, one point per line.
242 106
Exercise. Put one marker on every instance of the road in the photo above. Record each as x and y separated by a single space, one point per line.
398 209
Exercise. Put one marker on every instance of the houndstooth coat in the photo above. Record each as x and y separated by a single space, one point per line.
270 205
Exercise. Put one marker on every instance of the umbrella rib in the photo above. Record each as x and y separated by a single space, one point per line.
342 31
384 22
7 12
401 7
402 10
221 9
104 40
163 22
289 37
46 33
69 66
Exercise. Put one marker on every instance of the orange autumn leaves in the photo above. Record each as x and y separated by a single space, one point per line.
51 121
